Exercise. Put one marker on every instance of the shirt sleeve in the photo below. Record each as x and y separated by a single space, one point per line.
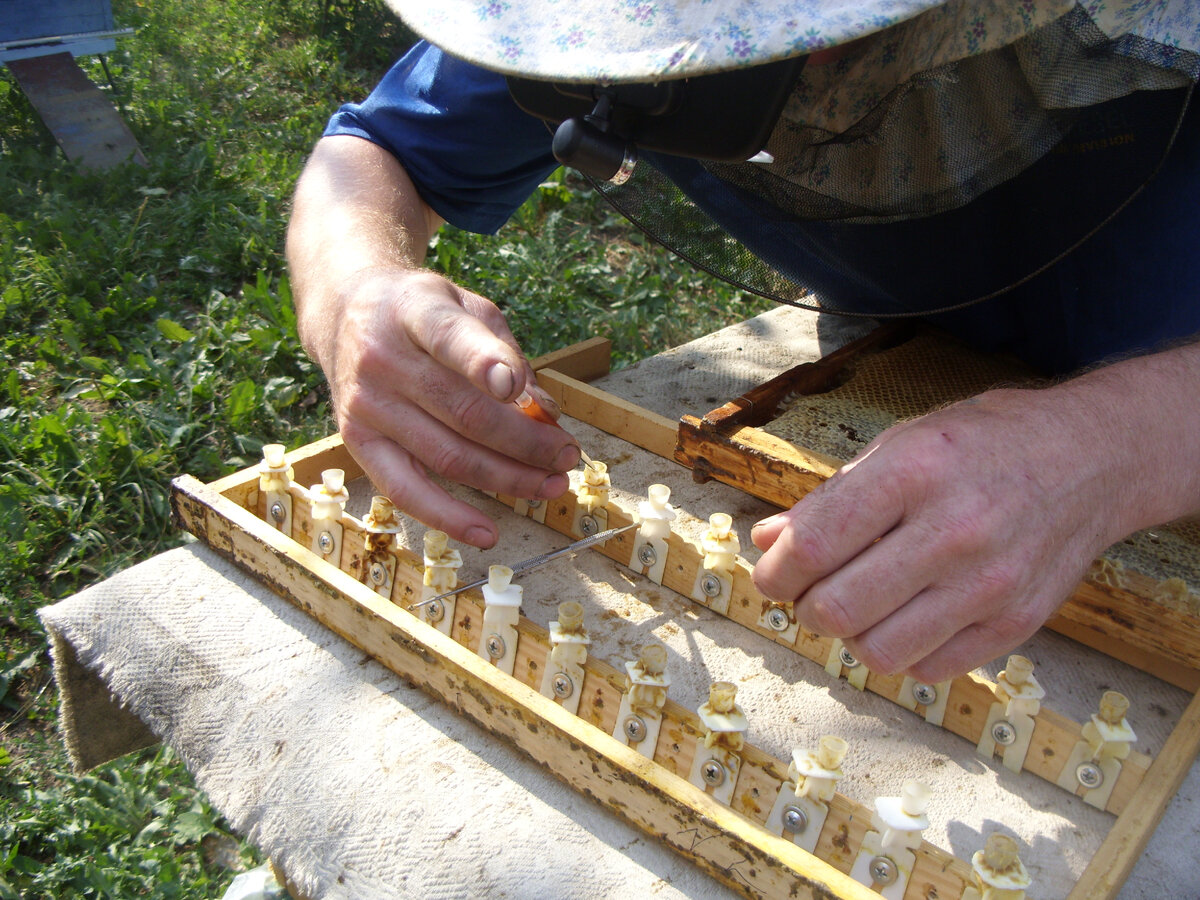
472 153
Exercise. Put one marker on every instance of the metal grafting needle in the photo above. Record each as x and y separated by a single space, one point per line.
535 561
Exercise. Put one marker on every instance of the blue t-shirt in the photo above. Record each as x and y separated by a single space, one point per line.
474 156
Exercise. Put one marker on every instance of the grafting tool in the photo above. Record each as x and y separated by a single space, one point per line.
537 412
534 562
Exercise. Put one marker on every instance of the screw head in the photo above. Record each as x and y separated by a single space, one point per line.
277 512
1089 775
533 504
925 694
710 585
713 773
589 526
562 685
435 611
778 619
1003 733
847 658
646 555
378 573
635 729
325 542
883 870
794 819
494 646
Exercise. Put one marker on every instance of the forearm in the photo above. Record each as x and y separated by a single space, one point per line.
355 209
1144 427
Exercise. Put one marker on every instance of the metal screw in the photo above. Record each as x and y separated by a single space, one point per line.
533 504
435 611
378 573
847 658
1089 775
325 542
710 585
883 871
794 819
778 619
925 694
1003 733
646 555
562 685
589 526
494 646
713 773
635 729
277 512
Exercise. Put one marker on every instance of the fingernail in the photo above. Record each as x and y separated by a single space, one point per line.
547 402
568 458
554 486
500 380
478 536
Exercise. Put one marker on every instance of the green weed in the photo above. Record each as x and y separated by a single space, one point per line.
123 830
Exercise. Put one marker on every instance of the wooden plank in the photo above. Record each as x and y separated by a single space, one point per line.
82 119
1127 839
1149 661
1134 629
610 413
585 361
719 840
753 461
761 404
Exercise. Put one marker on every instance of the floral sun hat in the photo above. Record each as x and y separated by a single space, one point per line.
1002 81
643 40
650 40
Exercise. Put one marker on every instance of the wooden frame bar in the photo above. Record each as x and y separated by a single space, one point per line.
727 842
1126 840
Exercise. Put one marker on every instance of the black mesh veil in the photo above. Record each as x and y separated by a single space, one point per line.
931 146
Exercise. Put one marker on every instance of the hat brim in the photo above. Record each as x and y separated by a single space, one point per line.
642 40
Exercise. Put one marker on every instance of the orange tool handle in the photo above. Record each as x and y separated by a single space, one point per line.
534 410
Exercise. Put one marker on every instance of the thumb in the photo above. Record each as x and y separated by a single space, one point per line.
466 334
766 532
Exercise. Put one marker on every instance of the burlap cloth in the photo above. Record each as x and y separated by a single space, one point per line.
359 786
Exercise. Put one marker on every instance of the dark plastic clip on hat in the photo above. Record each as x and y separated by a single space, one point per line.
589 145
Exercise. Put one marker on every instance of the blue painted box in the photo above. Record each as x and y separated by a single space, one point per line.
38 27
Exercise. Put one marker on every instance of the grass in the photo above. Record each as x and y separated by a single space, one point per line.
146 330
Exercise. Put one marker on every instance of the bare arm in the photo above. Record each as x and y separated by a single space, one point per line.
355 208
422 372
953 537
